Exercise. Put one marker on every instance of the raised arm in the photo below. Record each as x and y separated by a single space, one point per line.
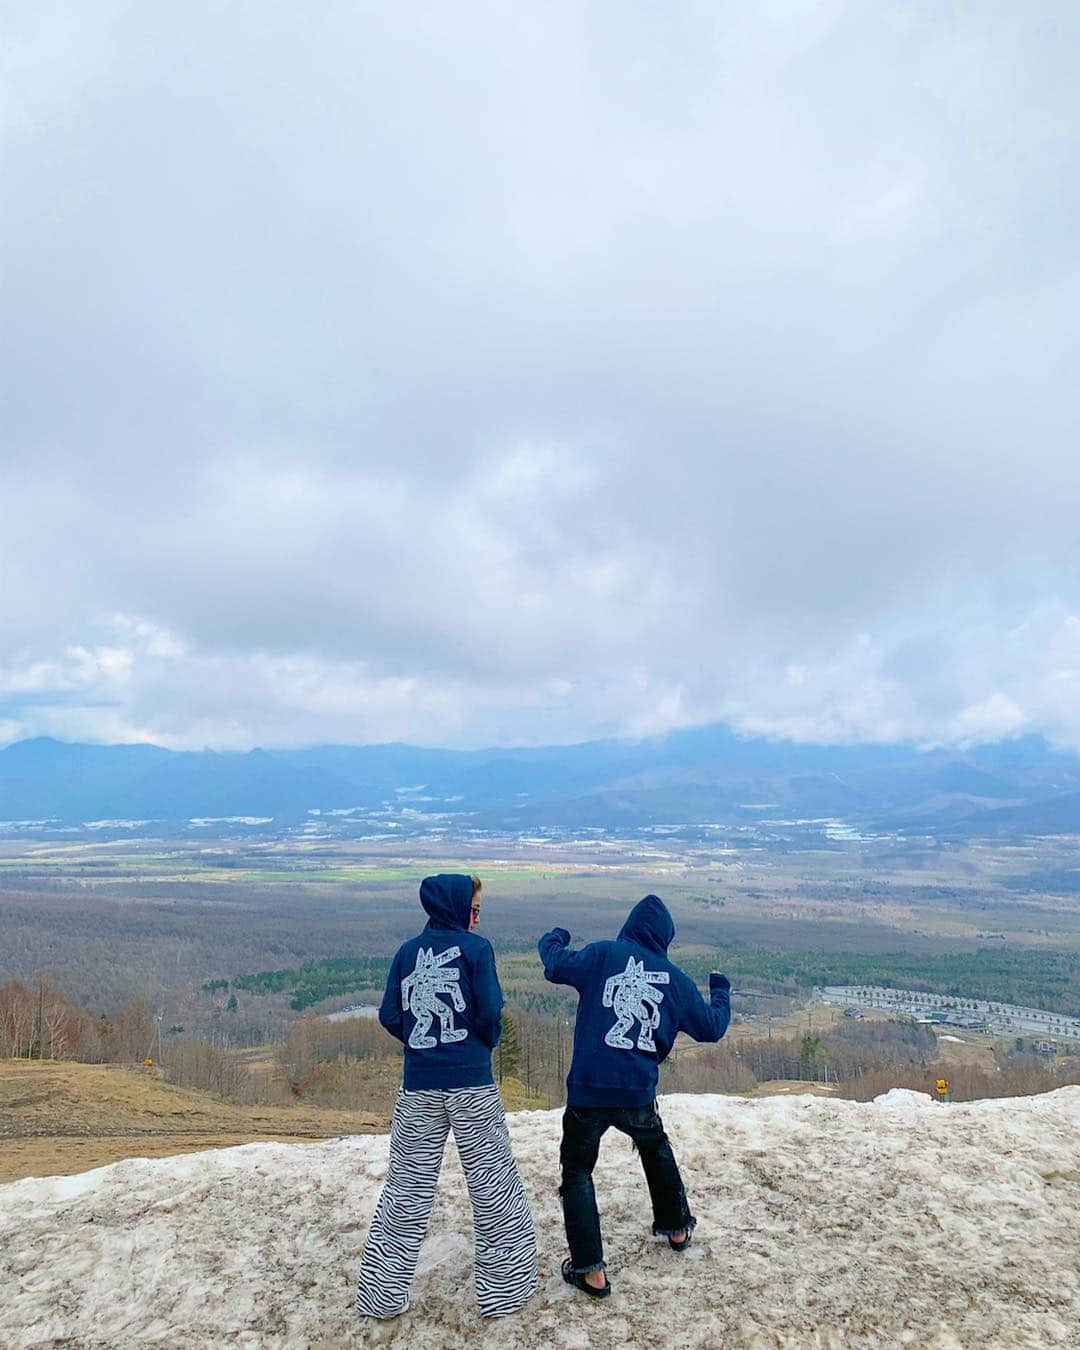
561 965
708 1021
391 1013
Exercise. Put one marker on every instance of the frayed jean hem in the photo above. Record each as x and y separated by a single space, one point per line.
687 1227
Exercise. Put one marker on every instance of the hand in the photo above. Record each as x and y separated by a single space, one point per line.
718 981
563 934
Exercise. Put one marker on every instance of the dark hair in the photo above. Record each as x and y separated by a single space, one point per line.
476 884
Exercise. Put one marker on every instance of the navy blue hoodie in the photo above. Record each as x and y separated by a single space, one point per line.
632 1003
443 998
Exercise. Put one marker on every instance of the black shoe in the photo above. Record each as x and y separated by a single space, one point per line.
681 1246
578 1280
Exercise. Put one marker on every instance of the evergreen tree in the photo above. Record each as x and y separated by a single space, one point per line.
807 1052
508 1054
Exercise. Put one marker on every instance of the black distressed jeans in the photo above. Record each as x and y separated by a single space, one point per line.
583 1128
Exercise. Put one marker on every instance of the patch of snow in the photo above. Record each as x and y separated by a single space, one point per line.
821 1223
958 1039
199 822
366 1010
903 1097
115 824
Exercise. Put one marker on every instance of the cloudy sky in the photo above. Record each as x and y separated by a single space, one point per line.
486 373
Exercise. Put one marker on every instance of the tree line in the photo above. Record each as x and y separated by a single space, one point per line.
355 1064
36 1022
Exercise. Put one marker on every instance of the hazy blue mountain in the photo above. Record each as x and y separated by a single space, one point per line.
699 777
1051 815
43 778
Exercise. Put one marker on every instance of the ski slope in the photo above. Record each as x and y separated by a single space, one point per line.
822 1223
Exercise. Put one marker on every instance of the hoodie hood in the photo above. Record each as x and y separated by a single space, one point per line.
650 925
447 900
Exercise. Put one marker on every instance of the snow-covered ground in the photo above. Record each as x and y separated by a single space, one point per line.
822 1223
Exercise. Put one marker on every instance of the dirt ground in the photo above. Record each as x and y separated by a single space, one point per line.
975 1053
778 1087
60 1156
59 1118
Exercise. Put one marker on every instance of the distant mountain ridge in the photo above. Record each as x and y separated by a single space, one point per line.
704 776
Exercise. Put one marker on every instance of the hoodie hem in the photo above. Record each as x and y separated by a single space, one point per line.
609 1096
446 1078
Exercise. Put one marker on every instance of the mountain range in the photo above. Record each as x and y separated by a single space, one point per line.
707 776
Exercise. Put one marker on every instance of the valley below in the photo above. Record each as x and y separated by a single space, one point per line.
228 964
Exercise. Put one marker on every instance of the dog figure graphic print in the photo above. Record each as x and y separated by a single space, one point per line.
422 994
635 998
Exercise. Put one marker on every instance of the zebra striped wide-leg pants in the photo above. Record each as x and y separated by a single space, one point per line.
502 1222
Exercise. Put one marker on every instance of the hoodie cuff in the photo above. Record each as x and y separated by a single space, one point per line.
717 981
562 935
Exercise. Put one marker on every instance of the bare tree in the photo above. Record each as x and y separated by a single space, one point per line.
16 1021
58 1022
126 1036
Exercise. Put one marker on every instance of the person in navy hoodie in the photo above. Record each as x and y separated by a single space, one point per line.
444 1002
632 1003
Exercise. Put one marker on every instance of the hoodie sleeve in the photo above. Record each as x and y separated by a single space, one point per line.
391 1014
487 998
707 1021
561 965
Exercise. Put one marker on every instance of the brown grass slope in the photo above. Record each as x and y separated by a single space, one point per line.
60 1117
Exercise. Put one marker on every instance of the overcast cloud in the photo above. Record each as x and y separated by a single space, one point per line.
483 373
